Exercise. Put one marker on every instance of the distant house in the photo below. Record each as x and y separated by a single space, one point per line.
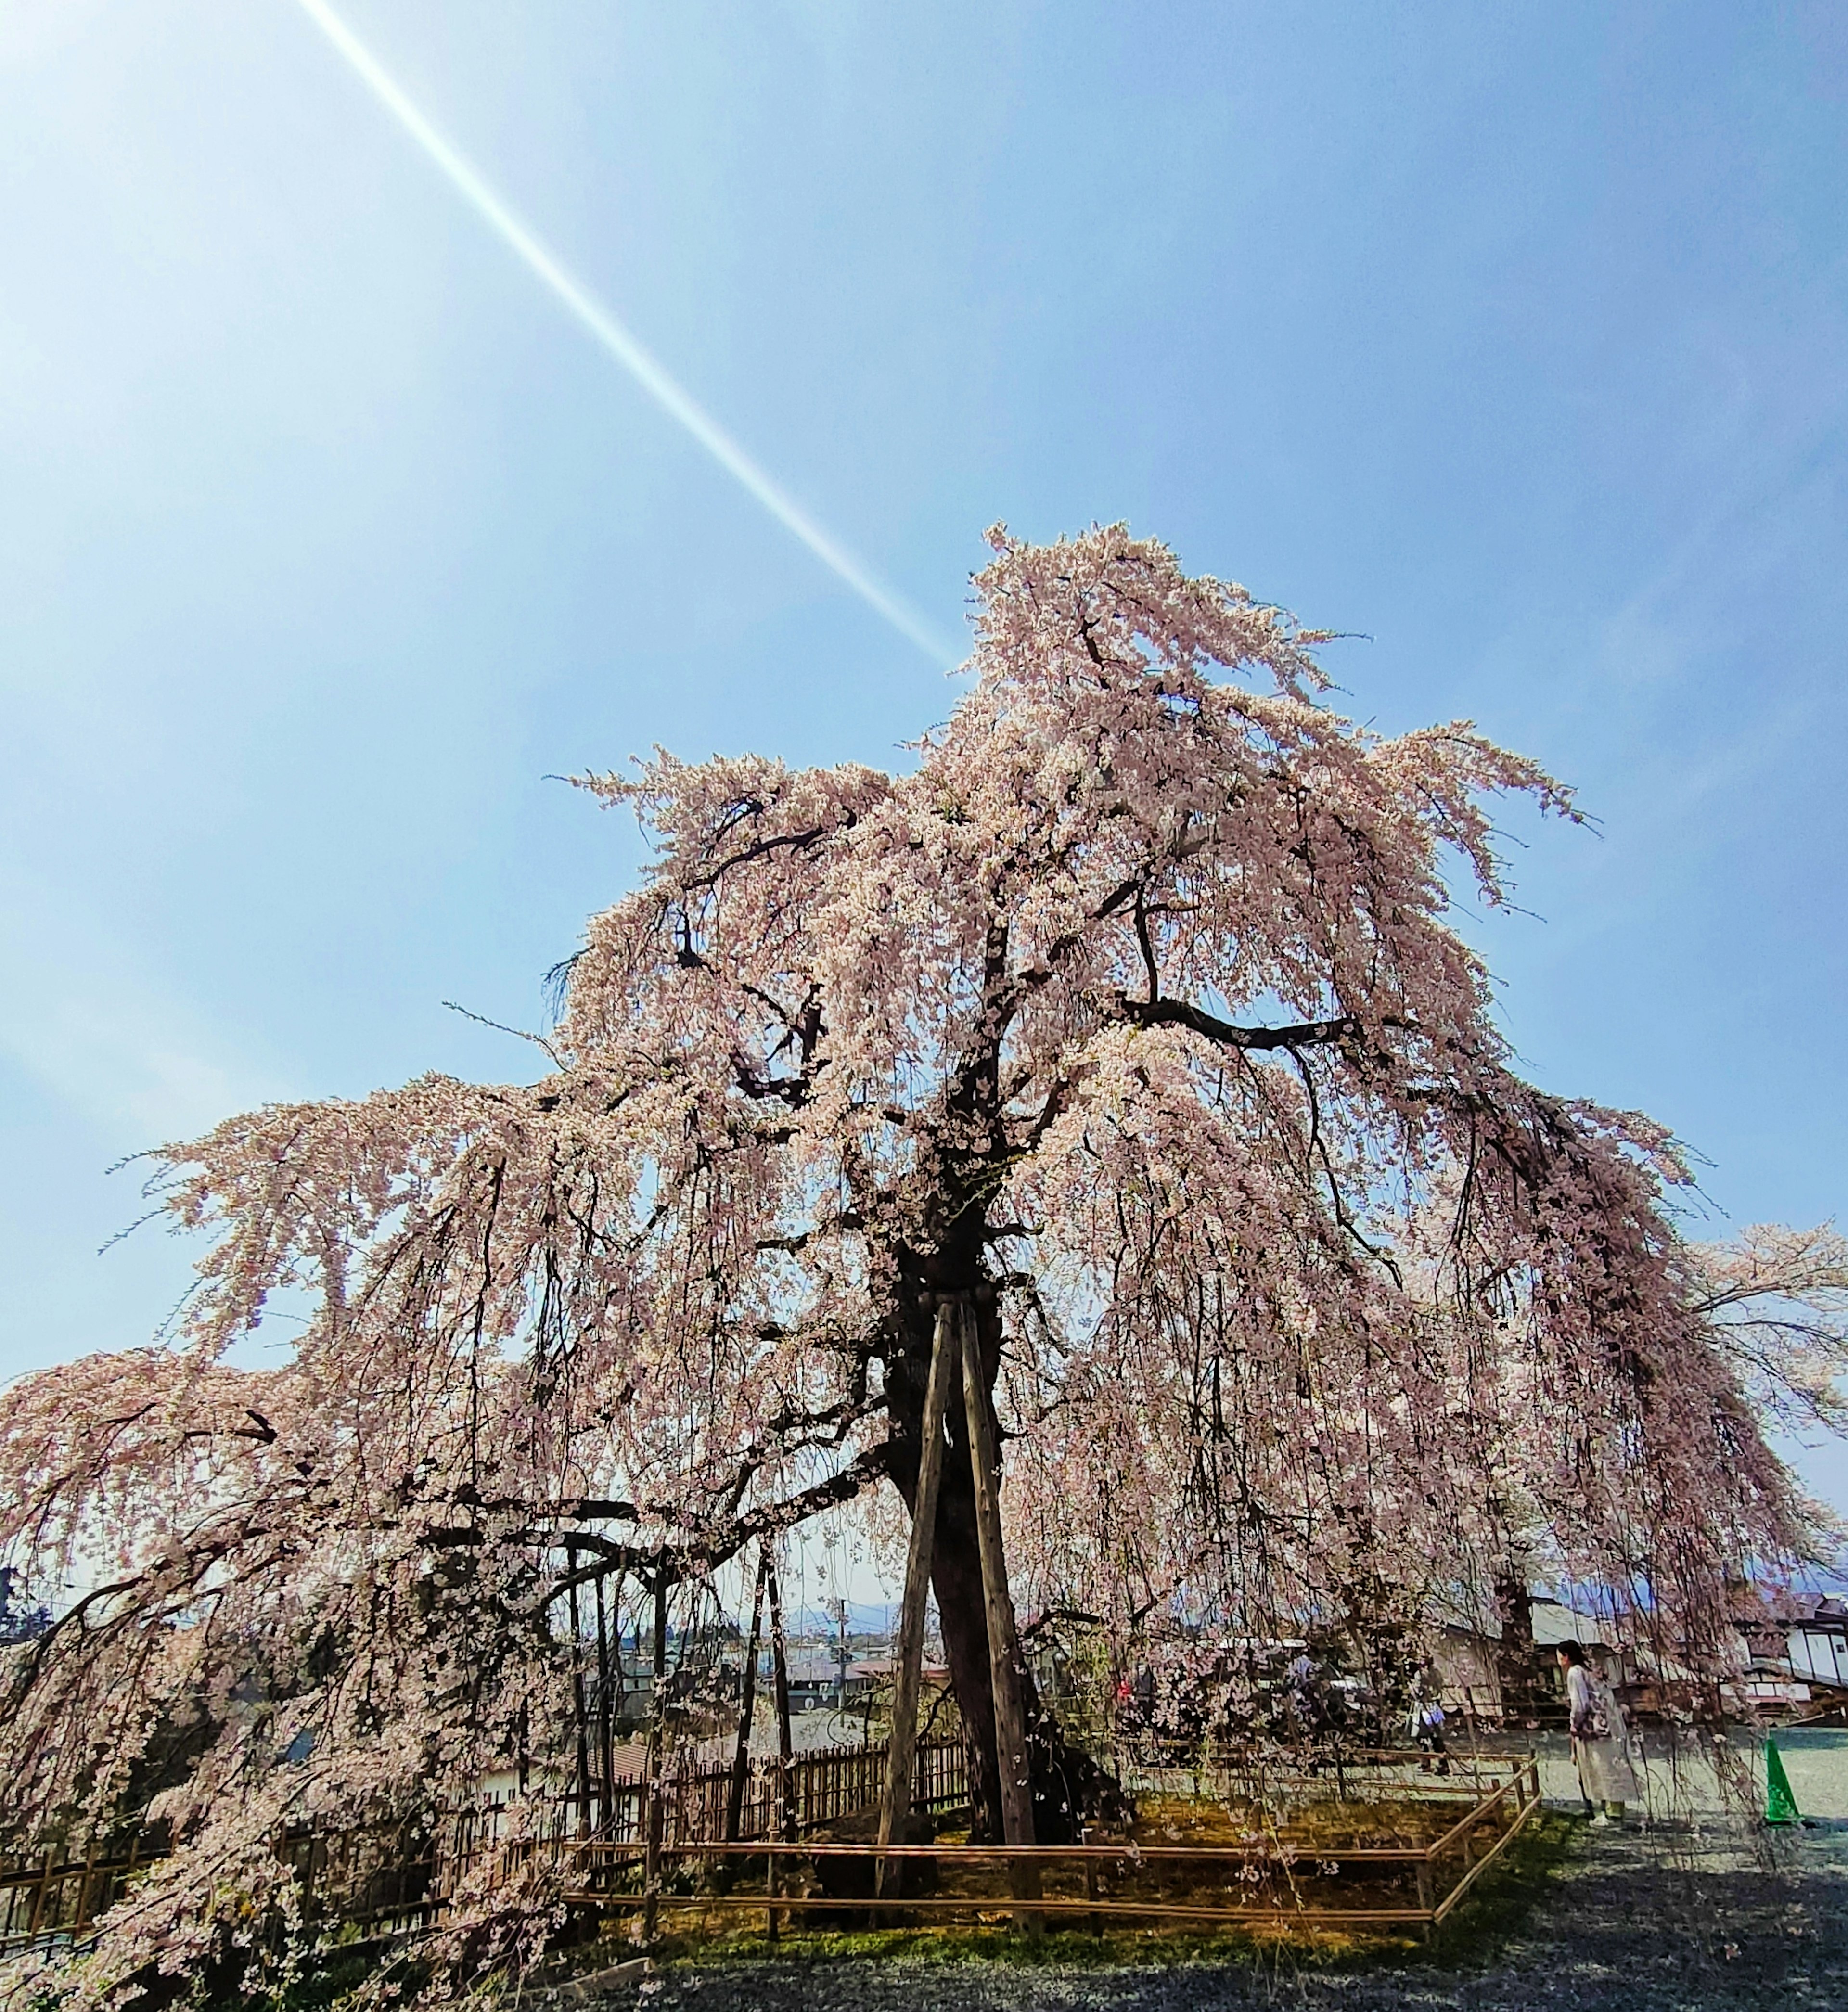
1818 1644
1468 1656
871 1671
819 1679
1794 1646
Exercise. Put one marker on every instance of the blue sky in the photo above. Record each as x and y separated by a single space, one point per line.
1512 337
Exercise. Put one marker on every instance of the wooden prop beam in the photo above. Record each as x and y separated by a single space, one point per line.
579 1704
734 1798
946 1348
1004 1646
780 1691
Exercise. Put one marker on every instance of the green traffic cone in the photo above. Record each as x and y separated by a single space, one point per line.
1780 1805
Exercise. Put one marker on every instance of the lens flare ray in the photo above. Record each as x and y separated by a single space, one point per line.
618 342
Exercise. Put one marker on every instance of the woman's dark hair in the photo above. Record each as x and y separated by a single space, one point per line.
1574 1652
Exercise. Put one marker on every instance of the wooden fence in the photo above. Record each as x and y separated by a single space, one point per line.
1289 1887
387 1878
822 1787
59 1896
393 1873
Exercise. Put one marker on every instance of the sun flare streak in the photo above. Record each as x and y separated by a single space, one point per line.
618 342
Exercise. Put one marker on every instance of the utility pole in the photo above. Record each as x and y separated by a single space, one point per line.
837 1611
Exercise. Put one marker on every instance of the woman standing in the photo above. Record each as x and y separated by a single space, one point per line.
1428 1721
1601 1739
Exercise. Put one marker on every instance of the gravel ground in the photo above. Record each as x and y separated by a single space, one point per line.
1698 1914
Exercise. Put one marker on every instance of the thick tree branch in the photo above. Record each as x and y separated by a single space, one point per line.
1179 1013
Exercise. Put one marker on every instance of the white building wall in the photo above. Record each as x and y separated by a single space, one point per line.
1820 1654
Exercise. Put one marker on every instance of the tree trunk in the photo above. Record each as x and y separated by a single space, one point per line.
956 1578
1517 1660
1066 1785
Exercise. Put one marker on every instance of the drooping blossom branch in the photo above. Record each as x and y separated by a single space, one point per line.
1133 1012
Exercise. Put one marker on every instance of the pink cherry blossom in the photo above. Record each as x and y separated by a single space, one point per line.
1132 1010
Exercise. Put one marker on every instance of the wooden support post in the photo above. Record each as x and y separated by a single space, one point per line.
84 1909
734 1800
38 1899
577 1697
606 1730
785 1824
901 1754
1004 1648
657 1711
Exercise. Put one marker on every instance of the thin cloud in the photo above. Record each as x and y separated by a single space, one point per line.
110 1040
618 342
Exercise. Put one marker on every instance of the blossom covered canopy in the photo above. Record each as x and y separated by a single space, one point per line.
1135 1007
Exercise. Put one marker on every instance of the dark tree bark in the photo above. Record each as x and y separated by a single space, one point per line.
1517 1658
1067 1784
